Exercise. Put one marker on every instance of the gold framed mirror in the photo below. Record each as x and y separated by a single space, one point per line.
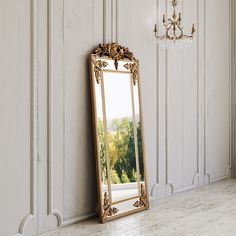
118 132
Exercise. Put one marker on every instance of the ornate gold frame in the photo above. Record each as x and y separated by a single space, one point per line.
98 64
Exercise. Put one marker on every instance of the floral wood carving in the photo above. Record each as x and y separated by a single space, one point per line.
142 202
133 67
107 209
98 65
115 52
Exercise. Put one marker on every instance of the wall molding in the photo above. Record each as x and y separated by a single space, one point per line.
205 107
50 193
33 123
104 21
201 177
195 181
114 21
233 133
207 175
79 219
233 87
228 171
107 20
107 34
158 99
187 188
226 176
170 189
155 186
196 176
154 189
207 179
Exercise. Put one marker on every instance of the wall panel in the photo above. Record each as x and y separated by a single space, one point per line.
68 180
196 115
182 107
17 120
178 90
79 155
217 91
233 86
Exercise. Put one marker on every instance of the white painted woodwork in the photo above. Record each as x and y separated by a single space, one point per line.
217 90
68 168
233 87
79 198
47 171
194 100
18 122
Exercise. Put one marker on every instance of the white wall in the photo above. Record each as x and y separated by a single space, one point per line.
233 87
47 172
194 101
18 149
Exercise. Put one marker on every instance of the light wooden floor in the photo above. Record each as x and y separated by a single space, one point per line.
209 211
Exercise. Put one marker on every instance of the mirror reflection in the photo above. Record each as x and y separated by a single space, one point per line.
122 138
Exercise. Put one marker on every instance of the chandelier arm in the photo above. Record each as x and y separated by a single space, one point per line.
168 30
188 36
170 21
179 22
167 24
181 32
161 37
157 36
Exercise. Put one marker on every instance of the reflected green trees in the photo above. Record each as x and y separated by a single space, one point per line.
121 151
101 141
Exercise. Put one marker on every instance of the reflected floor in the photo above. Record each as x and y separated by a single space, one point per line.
118 195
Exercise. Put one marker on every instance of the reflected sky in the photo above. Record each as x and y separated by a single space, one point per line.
118 96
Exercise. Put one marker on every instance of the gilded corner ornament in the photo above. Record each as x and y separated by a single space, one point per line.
133 67
142 202
115 52
107 209
98 65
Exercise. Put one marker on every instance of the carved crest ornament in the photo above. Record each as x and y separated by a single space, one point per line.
115 52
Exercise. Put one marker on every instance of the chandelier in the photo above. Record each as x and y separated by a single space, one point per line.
173 28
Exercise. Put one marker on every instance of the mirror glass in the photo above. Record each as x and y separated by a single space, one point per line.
118 126
121 136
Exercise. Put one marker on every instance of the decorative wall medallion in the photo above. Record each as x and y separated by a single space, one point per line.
98 65
133 67
107 209
142 202
115 52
